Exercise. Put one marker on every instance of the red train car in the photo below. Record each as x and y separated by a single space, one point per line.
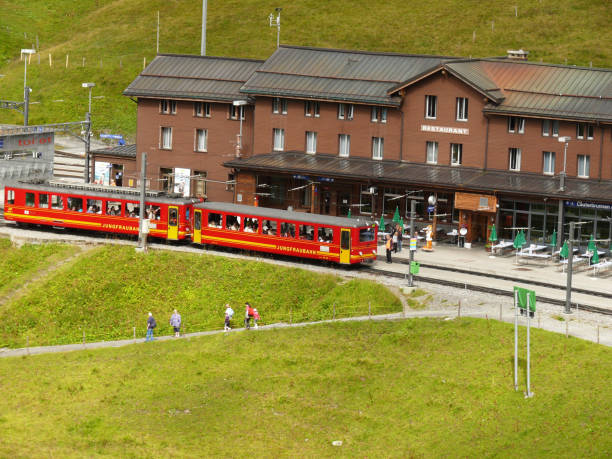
336 239
97 208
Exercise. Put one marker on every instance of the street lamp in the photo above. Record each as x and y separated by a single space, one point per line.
90 86
86 172
26 90
240 104
565 140
276 22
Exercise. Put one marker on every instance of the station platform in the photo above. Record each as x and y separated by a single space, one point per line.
521 271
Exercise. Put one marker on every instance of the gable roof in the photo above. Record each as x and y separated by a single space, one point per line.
193 77
339 75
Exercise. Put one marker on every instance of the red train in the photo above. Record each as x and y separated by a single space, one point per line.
116 210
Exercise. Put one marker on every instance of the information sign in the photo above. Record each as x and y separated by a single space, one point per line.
413 244
414 267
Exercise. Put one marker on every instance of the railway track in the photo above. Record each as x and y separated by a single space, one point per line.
496 291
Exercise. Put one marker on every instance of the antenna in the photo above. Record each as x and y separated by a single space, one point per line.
276 22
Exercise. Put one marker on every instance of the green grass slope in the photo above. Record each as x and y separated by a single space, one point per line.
109 290
107 40
418 388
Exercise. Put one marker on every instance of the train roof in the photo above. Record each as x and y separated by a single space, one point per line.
266 212
103 191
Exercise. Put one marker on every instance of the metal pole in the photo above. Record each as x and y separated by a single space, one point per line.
26 106
203 46
157 31
412 212
559 225
278 30
25 90
87 146
515 340
570 259
529 394
89 111
143 187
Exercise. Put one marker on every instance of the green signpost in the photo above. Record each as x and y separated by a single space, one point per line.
414 267
525 301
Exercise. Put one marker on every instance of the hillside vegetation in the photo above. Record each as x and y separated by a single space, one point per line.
414 388
108 291
107 41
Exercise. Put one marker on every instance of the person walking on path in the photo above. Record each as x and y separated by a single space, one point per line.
388 246
229 314
175 322
151 324
400 237
394 238
255 316
248 315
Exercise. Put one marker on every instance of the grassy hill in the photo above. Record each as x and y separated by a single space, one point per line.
107 40
416 388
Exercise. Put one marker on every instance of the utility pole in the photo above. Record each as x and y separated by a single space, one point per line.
87 146
143 231
570 259
203 45
412 212
276 22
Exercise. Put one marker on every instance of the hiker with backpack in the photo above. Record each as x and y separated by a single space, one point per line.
151 324
248 315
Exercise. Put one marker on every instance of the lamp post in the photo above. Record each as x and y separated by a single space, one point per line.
565 140
240 104
26 90
86 173
276 22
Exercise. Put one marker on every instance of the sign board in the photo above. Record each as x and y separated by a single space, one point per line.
413 244
111 136
414 267
525 298
182 181
431 209
102 173
588 205
445 129
476 202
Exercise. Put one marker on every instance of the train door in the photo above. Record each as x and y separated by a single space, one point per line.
197 226
173 218
345 246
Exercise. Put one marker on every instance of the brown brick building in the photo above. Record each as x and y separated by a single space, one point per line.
333 131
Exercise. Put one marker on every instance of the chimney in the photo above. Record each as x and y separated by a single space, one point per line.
517 54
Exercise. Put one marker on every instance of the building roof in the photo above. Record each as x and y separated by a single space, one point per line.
123 151
535 89
339 75
193 77
415 174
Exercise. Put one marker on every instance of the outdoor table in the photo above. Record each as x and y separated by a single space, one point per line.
576 261
502 245
453 234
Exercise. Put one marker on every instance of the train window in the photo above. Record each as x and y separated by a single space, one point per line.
43 200
153 212
307 232
113 208
269 227
75 204
214 220
187 214
57 202
197 221
132 210
10 197
287 230
326 235
30 199
172 216
232 222
366 234
251 225
94 206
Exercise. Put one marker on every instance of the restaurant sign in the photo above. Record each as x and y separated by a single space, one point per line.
445 129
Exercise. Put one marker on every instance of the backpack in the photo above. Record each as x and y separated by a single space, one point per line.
153 323
251 313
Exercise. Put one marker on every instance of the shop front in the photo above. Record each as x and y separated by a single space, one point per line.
476 216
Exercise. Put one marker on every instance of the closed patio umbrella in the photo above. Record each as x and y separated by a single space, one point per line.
564 250
349 214
381 225
591 247
553 239
519 240
595 257
396 216
493 236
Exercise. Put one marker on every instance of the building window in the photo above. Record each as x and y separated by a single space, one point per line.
345 111
549 163
366 198
545 128
201 140
279 106
580 131
236 112
279 139
456 154
555 128
311 108
198 184
432 152
378 114
167 106
431 107
378 144
515 159
231 182
201 109
590 131
311 142
462 109
516 124
166 138
344 145
583 166
166 177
